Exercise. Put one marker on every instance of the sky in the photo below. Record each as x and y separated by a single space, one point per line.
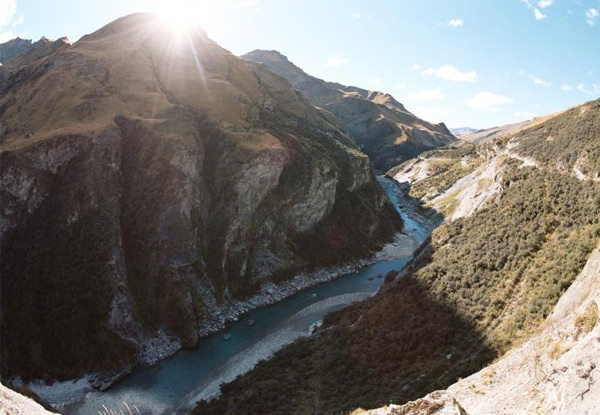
475 63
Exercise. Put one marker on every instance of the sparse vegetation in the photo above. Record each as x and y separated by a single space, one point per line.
585 322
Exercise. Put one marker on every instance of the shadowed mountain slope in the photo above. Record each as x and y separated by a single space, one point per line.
148 180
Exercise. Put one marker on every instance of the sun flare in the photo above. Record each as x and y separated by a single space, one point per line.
183 15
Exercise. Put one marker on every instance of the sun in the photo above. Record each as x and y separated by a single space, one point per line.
181 16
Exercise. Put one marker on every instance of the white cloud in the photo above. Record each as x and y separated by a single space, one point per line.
455 23
355 15
416 67
488 101
335 61
8 8
18 21
536 12
6 36
425 95
589 89
539 81
433 114
536 79
451 73
566 87
545 3
591 15
539 15
401 85
524 115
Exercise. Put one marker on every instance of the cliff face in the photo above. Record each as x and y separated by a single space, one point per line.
146 179
386 131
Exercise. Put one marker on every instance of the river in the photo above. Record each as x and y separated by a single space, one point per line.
191 375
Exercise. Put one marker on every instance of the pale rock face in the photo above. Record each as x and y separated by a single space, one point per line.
310 210
13 403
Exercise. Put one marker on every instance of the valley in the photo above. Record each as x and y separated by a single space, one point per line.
194 230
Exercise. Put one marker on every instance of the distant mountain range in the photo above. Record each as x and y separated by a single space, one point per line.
383 128
463 131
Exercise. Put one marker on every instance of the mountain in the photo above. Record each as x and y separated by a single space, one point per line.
457 132
510 280
479 136
148 184
383 128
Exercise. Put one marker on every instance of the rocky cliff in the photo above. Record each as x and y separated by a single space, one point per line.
383 128
148 180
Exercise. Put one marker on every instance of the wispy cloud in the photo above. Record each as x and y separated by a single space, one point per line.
455 23
536 79
433 114
566 87
335 61
8 9
545 3
416 67
589 89
425 95
17 21
488 101
591 15
401 85
451 73
536 12
524 115
356 15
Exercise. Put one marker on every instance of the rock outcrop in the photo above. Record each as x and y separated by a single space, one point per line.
383 128
149 179
13 403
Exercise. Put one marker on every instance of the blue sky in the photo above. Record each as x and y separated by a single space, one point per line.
477 63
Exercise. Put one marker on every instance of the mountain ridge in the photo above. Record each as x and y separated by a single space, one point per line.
383 128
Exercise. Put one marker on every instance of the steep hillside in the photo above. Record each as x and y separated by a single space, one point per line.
489 280
149 181
386 131
555 372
